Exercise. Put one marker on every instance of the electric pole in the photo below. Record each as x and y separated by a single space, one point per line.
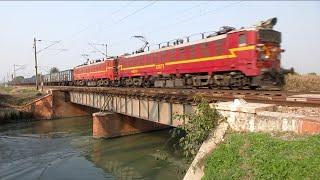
8 78
106 50
35 60
36 52
17 67
14 71
105 45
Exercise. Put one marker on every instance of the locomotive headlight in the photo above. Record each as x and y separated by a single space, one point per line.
264 56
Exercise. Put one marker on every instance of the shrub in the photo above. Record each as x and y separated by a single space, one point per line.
200 123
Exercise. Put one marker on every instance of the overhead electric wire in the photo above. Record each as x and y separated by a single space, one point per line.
191 18
97 49
196 16
111 14
179 13
136 11
55 42
71 37
214 11
131 14
165 17
127 16
59 51
162 28
121 8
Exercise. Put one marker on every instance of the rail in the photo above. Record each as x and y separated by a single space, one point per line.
188 95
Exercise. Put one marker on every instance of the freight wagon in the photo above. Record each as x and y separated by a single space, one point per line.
62 78
29 81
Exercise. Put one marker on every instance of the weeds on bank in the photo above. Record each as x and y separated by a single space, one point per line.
8 114
5 90
196 128
309 82
186 139
17 95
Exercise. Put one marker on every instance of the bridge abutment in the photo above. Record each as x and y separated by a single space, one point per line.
55 105
108 125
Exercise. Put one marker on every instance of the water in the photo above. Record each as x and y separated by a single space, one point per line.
65 149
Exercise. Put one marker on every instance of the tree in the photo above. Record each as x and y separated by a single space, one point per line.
18 79
312 73
54 70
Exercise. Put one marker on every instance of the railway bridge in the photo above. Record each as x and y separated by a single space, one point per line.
123 111
128 111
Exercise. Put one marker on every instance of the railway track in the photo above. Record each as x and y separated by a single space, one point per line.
286 98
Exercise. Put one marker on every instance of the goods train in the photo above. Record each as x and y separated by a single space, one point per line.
229 58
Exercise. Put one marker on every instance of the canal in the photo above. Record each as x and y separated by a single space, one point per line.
65 149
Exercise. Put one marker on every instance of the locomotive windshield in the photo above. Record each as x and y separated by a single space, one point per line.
267 35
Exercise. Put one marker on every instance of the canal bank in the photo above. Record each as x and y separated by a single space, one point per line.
11 101
64 149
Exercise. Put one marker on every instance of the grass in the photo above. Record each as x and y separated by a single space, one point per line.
16 96
262 156
302 82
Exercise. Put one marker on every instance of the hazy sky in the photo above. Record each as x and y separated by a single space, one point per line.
78 23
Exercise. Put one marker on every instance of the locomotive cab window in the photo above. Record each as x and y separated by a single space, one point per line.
242 40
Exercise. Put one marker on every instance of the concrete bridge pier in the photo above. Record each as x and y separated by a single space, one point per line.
108 125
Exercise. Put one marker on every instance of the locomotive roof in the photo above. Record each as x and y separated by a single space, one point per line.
217 37
95 63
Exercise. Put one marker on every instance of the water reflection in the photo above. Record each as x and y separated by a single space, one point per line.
64 149
135 157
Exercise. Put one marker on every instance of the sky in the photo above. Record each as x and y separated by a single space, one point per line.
75 24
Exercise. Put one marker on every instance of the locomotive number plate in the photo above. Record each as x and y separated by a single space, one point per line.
134 71
160 66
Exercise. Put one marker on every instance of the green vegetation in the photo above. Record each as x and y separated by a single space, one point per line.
15 96
312 73
200 123
18 79
263 156
54 70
